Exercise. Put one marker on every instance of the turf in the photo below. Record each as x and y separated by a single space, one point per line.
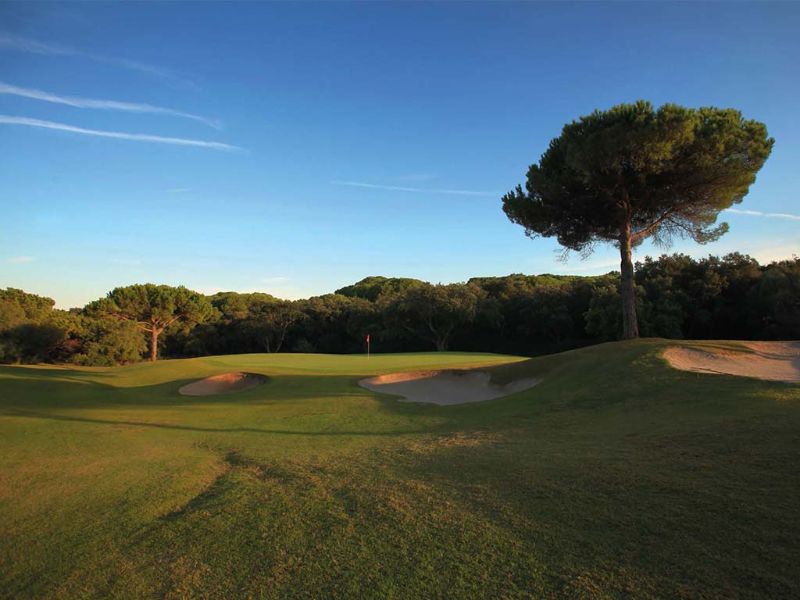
615 477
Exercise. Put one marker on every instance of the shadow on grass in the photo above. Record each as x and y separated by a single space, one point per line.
177 427
82 393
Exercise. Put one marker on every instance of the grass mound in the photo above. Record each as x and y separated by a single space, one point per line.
615 476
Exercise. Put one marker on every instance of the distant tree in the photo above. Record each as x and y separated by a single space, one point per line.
733 315
233 305
545 314
104 342
269 321
28 331
434 312
225 332
153 308
31 342
370 288
679 294
333 323
17 306
632 173
776 300
603 315
11 313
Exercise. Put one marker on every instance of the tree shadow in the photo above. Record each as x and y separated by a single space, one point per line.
42 374
177 427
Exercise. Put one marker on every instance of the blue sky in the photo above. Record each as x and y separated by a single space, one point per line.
296 148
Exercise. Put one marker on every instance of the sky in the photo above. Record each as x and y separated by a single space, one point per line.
297 148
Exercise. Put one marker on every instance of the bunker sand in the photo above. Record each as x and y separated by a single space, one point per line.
227 383
772 361
444 387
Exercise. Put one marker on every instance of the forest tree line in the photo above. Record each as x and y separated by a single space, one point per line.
732 297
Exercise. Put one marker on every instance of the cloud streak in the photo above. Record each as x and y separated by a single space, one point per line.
77 102
416 190
758 213
20 260
136 137
35 47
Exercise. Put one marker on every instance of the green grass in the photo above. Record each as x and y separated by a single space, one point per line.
615 477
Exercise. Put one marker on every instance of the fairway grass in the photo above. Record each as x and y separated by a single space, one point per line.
616 476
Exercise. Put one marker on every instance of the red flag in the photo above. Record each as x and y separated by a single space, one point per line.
368 338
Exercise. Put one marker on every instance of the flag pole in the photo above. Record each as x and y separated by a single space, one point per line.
367 346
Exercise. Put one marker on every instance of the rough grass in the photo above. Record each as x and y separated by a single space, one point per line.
615 477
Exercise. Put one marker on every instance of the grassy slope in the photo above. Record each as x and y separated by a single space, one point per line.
616 476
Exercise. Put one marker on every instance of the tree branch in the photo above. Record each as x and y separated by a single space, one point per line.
647 231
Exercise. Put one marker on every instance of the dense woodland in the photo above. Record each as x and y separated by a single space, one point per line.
677 297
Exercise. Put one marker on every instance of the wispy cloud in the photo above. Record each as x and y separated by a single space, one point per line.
20 260
397 188
77 102
35 47
136 137
758 213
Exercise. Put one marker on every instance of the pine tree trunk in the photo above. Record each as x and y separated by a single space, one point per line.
630 325
154 344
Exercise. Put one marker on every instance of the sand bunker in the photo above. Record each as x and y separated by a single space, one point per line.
227 383
444 387
773 361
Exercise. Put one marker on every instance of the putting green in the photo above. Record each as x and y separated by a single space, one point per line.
616 475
